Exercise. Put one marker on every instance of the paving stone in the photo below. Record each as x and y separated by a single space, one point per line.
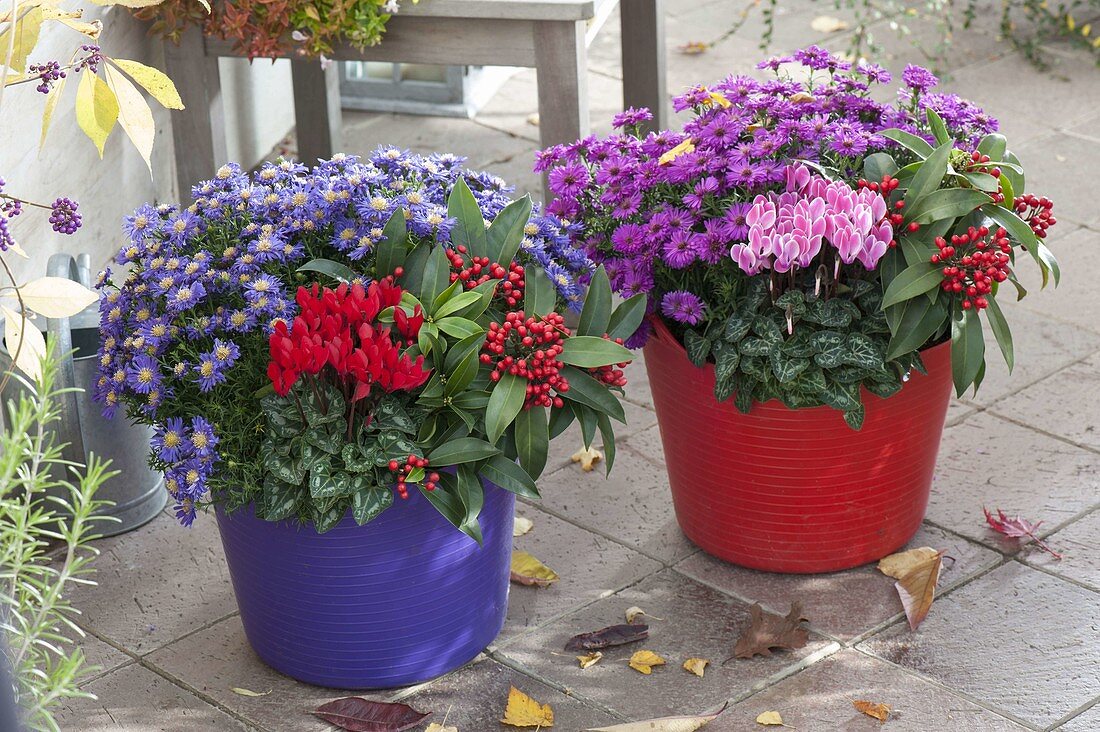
632 505
1053 164
590 566
1079 545
1073 302
1087 721
637 382
219 659
1075 391
157 583
1018 639
474 698
820 698
1040 350
100 656
135 699
698 621
987 461
565 445
842 604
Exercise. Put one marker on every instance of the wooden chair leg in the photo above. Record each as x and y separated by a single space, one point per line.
561 64
316 110
198 131
643 39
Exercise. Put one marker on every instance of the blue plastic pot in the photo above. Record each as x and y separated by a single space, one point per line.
399 601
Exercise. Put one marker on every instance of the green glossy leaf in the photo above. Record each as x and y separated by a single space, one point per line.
967 350
539 294
505 402
596 313
912 281
462 375
449 505
854 417
917 145
607 434
918 320
390 253
437 275
460 328
470 400
436 303
863 352
994 145
586 390
939 129
1011 169
461 450
877 165
586 418
505 473
1001 332
335 270
947 203
560 419
627 317
929 177
472 495
457 303
415 263
737 326
505 234
592 352
983 182
469 229
785 368
280 498
532 440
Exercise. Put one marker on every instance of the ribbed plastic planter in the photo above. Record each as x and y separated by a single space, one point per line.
796 490
401 600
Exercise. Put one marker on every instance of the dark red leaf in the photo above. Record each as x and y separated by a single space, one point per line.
356 714
614 635
1017 528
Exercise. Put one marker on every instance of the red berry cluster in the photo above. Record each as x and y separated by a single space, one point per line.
979 163
481 270
973 264
885 187
529 348
1037 212
612 374
412 462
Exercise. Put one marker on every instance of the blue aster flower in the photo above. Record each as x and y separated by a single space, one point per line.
170 441
143 375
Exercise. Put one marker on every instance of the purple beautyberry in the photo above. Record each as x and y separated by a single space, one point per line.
64 218
47 73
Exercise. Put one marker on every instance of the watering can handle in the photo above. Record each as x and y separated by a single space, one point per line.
64 266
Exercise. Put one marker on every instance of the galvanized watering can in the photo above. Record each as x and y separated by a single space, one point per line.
136 493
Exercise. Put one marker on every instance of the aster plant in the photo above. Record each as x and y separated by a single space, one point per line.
315 342
805 238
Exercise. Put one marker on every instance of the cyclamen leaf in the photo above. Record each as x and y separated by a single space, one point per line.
356 714
613 635
768 631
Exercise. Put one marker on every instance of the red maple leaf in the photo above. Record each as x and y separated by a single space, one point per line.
1017 528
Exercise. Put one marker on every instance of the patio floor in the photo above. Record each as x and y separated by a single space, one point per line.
1013 638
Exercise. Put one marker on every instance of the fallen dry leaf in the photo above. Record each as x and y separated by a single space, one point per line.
899 564
663 724
533 119
644 661
828 24
693 48
633 612
522 526
589 659
767 631
770 719
1018 528
801 98
523 711
881 712
249 692
917 588
526 570
696 666
613 635
587 457
356 714
437 727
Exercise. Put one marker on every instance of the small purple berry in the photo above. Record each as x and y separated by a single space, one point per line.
64 218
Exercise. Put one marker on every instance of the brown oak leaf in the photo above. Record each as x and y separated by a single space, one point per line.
768 631
917 588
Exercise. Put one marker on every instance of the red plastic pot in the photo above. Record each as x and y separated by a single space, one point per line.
796 490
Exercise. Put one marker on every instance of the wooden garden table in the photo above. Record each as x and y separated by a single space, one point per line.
551 36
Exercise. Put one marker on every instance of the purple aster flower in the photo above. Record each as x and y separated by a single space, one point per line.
706 187
628 239
640 336
683 307
631 117
169 441
210 371
568 180
203 440
143 375
814 57
918 78
680 250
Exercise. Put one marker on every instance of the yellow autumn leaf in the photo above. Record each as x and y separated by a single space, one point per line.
522 526
72 18
56 297
901 563
879 711
25 33
134 115
683 148
590 659
523 711
696 666
587 457
248 692
828 24
96 109
644 661
1070 22
19 331
51 105
526 570
154 81
1086 29
769 719
718 99
437 727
